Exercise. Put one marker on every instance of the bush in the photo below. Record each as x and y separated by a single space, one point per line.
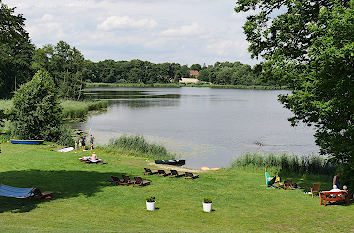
150 198
66 136
36 113
207 200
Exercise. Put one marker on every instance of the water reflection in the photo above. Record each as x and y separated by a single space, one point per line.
134 98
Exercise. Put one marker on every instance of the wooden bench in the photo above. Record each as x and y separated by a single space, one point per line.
327 196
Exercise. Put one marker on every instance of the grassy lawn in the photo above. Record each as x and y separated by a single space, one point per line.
86 202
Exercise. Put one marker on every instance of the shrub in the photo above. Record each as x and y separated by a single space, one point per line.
150 198
36 111
66 135
207 200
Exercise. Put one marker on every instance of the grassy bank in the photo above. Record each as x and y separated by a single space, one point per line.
86 202
142 85
72 110
79 110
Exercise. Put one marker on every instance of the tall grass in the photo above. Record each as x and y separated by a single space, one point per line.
138 145
312 164
80 109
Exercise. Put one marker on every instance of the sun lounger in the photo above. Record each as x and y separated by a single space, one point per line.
174 173
138 181
269 180
149 172
115 180
288 184
8 191
127 180
89 160
189 175
163 173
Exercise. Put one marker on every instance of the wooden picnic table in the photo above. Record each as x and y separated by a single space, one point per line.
327 196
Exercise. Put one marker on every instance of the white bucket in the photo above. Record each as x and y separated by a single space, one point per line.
207 207
150 206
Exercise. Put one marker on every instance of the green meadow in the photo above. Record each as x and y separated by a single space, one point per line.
86 202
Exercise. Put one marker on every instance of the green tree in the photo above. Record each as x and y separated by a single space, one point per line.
15 51
66 65
36 112
310 45
196 67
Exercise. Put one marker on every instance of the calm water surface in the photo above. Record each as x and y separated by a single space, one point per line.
206 126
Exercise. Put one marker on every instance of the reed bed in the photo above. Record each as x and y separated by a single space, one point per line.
312 164
80 109
138 145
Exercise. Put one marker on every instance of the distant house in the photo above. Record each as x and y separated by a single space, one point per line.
194 73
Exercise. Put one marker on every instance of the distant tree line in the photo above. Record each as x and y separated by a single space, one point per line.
20 60
134 71
137 71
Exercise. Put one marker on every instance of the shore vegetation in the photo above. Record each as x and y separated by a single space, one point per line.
137 145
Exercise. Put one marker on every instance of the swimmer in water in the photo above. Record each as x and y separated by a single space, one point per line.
258 143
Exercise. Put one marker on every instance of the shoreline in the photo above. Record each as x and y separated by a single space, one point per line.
178 85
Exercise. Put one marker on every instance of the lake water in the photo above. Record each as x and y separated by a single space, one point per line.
205 126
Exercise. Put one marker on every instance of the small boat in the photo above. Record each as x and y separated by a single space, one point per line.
33 142
176 162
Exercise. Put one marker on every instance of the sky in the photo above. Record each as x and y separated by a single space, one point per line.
182 31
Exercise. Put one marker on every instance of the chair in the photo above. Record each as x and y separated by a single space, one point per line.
315 189
269 180
174 173
138 181
127 180
149 172
288 184
163 173
189 175
8 191
115 180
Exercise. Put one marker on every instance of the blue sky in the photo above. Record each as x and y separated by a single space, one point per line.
183 31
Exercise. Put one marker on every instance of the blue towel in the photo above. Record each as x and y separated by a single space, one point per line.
8 191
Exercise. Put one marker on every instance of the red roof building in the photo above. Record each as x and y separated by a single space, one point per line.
194 73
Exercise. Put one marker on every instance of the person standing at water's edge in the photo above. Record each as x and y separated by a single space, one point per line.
336 180
92 138
84 143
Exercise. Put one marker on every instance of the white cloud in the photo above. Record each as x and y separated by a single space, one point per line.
125 22
185 30
228 47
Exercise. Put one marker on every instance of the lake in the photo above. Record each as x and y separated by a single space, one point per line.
205 126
